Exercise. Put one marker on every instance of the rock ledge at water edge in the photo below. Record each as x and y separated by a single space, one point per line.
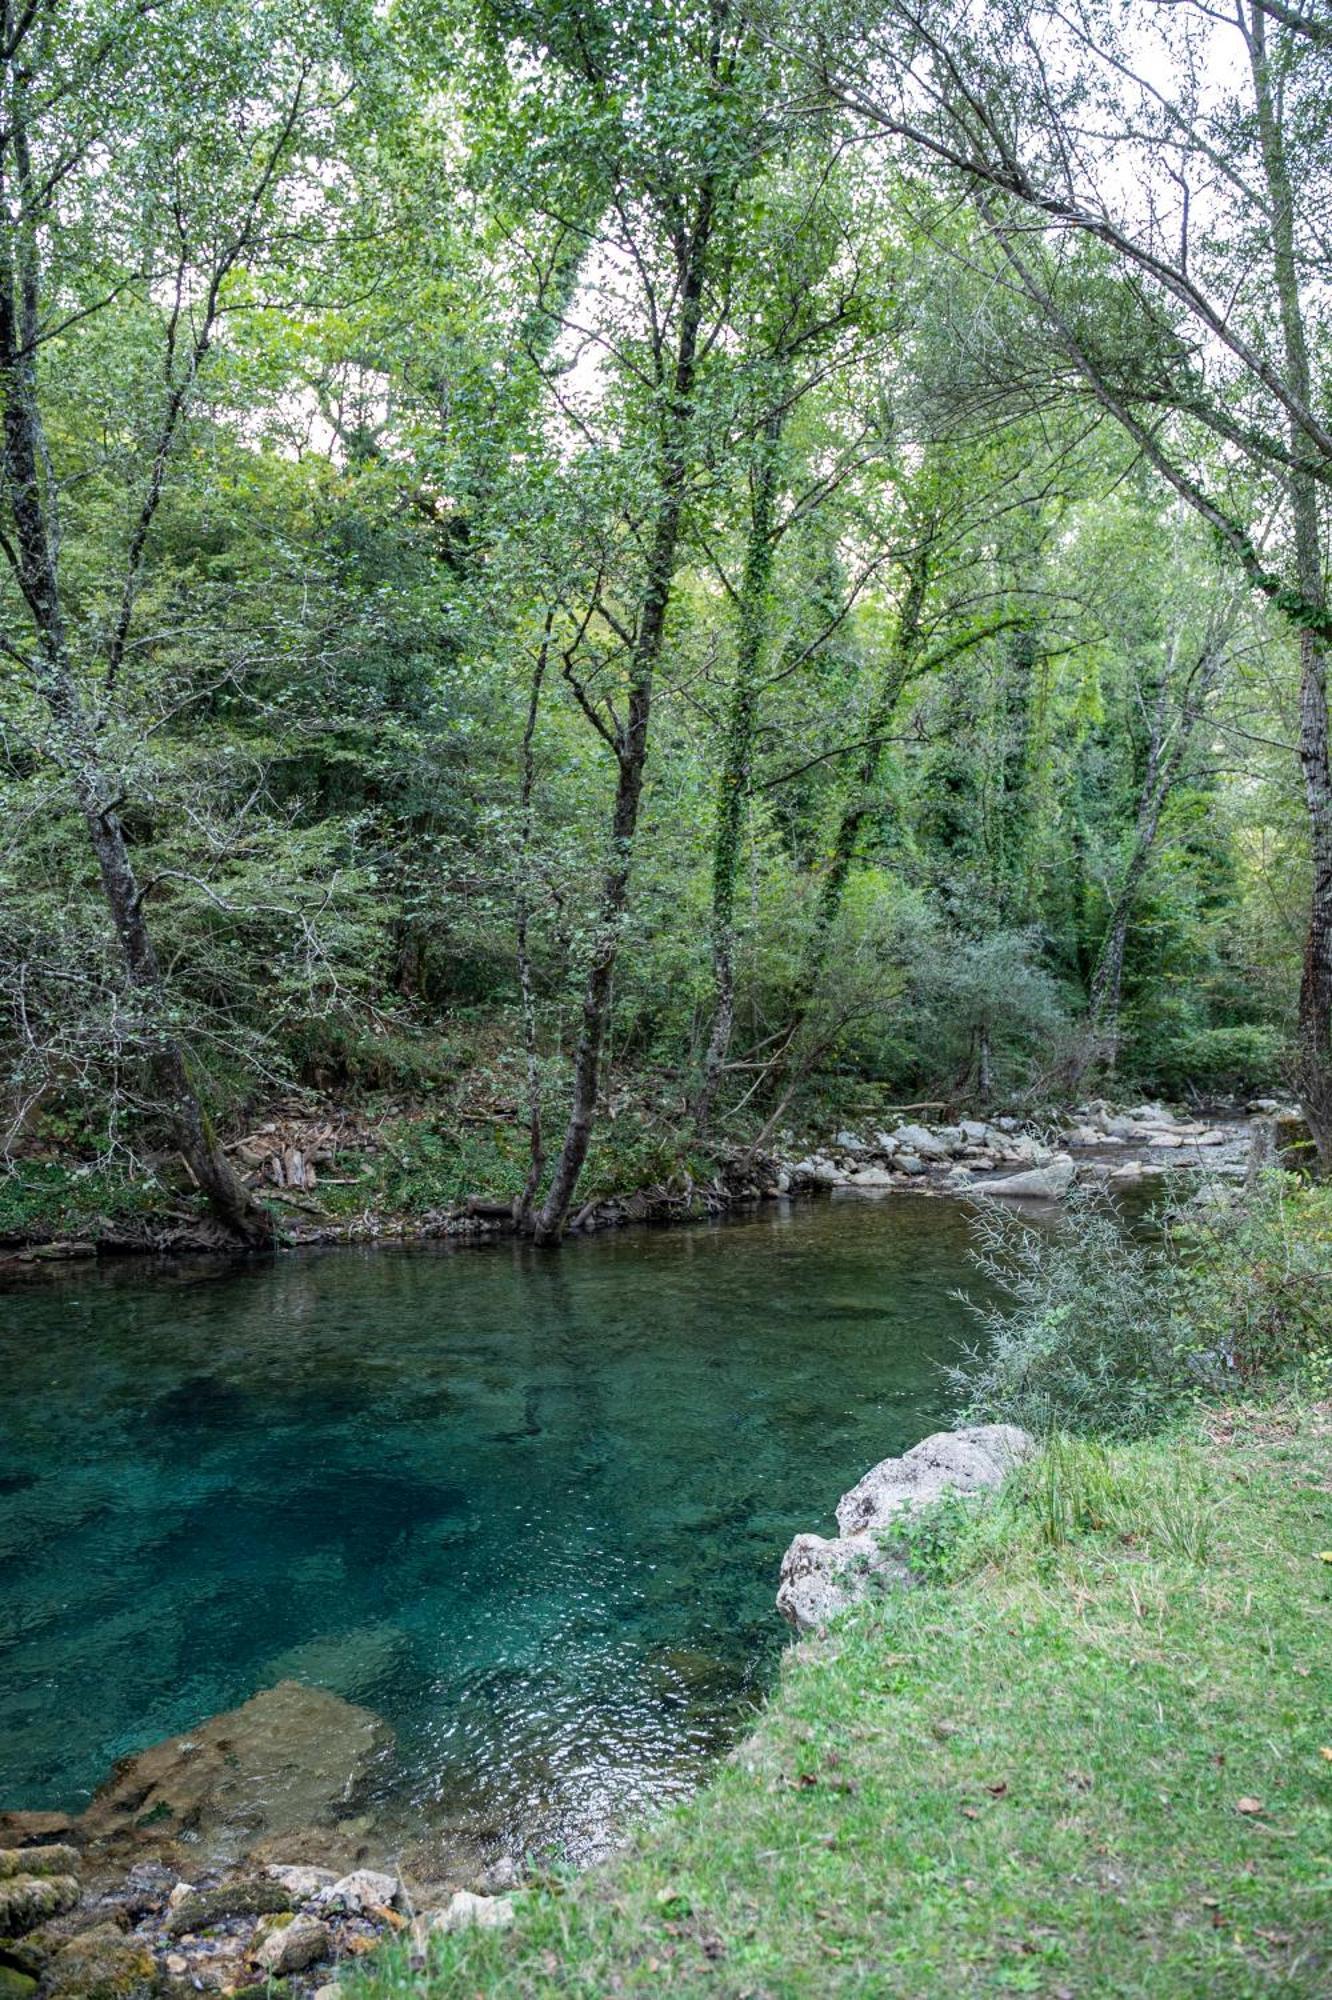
822 1577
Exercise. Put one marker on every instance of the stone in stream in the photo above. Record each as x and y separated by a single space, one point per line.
202 1908
290 1944
48 1860
291 1757
364 1889
920 1140
301 1884
1040 1183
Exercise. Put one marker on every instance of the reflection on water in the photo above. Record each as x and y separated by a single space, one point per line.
528 1507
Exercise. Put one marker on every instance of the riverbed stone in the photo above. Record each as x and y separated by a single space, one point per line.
302 1884
29 1900
246 1898
1039 1183
364 1889
961 1461
290 1757
103 1964
920 1140
290 1944
466 1911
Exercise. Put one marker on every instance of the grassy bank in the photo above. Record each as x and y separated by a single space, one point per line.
1091 1755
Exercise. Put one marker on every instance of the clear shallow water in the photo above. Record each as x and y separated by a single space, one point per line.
528 1508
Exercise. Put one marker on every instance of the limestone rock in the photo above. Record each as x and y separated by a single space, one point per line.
290 1757
920 1140
290 1944
962 1461
29 1900
364 1889
301 1884
1044 1183
910 1163
491 1913
501 1876
871 1177
821 1578
102 1964
203 1907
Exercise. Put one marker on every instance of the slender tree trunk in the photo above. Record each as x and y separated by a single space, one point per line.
632 745
733 782
36 544
984 1063
522 1213
1315 1015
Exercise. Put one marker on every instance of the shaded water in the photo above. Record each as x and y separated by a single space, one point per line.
529 1508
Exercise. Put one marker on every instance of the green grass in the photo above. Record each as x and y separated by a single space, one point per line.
1036 1773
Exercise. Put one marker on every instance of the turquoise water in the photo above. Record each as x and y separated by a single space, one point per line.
530 1508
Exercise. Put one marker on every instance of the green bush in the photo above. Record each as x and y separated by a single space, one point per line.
1223 1062
1256 1285
1085 1334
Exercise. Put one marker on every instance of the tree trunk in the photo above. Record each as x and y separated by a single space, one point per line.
522 1213
733 783
1315 1015
632 744
36 563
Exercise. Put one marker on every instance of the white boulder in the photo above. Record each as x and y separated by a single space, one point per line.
1045 1183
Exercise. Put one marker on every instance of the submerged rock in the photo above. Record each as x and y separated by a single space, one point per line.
291 1757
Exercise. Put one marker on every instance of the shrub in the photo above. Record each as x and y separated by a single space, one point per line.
1226 1062
1084 1333
1256 1286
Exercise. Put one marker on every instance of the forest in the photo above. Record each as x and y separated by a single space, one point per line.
609 580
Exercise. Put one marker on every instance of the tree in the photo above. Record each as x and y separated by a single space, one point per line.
1182 204
205 129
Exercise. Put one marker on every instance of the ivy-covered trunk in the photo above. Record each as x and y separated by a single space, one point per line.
733 781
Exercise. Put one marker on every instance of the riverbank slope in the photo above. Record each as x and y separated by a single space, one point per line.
1090 1755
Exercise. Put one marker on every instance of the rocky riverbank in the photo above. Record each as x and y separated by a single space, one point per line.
335 1186
1039 1161
243 1858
